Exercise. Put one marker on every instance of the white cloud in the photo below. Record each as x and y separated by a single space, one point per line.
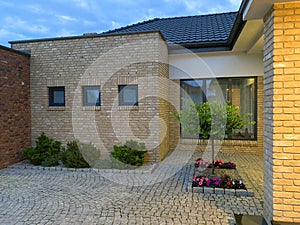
65 19
38 29
7 35
205 7
88 23
6 4
115 25
82 3
193 6
64 33
34 9
16 23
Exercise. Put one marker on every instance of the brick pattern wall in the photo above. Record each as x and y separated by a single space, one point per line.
107 61
163 101
282 137
227 145
14 105
268 116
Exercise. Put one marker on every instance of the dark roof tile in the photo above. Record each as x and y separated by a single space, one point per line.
187 30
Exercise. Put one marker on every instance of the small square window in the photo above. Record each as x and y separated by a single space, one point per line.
128 95
56 96
91 96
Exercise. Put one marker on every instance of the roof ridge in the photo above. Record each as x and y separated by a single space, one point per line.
166 18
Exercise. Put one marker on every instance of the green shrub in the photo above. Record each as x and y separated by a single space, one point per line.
72 156
50 161
131 153
46 152
89 152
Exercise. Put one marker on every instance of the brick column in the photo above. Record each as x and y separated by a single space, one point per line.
282 113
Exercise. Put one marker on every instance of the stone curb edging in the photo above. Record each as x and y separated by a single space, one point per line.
223 191
146 170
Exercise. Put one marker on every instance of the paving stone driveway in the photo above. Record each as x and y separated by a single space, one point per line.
152 195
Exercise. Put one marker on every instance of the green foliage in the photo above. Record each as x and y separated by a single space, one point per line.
89 152
235 120
136 146
204 119
45 153
131 153
189 119
72 156
211 119
50 161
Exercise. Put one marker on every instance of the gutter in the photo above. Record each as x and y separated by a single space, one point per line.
198 48
238 25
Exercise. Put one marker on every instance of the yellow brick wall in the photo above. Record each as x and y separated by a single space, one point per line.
282 151
105 61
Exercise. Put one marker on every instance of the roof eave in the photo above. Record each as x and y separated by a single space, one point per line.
211 46
237 26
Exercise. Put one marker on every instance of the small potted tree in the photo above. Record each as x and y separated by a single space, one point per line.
211 120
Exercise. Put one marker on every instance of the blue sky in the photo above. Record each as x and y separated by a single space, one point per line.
32 19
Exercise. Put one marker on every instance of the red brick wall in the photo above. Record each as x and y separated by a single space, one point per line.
14 105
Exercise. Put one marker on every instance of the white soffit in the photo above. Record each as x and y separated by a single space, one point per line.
257 9
215 65
251 38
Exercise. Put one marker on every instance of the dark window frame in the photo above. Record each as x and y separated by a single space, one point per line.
51 91
255 116
85 97
121 95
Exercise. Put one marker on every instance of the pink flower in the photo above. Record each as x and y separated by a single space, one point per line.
200 182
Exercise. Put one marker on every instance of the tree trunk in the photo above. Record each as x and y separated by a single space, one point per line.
212 155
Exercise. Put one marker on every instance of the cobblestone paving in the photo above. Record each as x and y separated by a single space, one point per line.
158 196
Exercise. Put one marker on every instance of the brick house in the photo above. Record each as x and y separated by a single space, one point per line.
123 84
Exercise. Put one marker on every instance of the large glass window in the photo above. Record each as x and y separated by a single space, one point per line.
56 96
238 91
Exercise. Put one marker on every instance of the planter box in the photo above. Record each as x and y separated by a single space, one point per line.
208 190
222 191
230 192
219 191
198 190
241 192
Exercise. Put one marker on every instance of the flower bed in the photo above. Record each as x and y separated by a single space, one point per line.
218 164
225 181
225 176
